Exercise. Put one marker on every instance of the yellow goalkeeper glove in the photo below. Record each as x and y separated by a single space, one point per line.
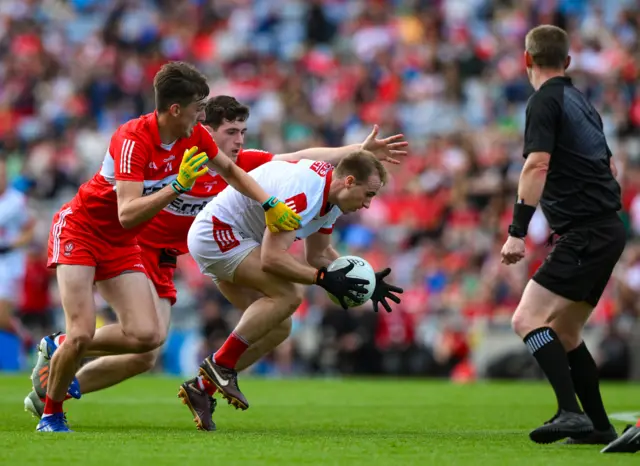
191 168
279 216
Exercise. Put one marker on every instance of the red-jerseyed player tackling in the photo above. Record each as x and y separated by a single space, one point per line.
165 237
93 237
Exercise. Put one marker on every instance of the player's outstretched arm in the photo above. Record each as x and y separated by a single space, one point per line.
318 250
386 150
279 216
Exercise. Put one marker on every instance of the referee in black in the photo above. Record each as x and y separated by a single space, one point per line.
569 170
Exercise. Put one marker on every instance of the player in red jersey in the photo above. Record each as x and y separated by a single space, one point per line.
164 238
93 237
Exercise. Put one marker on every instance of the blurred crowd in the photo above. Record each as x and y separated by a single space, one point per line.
448 74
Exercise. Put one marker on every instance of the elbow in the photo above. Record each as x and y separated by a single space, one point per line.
538 169
125 220
269 263
543 168
224 167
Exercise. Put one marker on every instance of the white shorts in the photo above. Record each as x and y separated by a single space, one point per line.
11 276
218 249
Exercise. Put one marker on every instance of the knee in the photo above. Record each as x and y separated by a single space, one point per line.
149 339
284 329
78 341
287 300
522 323
143 362
291 302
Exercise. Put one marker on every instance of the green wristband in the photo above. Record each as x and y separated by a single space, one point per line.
177 187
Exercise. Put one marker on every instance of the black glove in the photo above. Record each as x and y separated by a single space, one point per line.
339 285
383 291
5 248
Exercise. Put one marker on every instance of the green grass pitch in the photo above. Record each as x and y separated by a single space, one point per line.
311 421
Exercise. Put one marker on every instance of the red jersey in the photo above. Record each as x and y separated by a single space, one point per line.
135 154
169 229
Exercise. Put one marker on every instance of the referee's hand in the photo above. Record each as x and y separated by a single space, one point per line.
512 251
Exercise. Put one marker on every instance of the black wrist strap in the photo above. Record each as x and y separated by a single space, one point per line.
522 215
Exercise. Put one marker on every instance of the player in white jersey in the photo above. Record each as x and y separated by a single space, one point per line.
253 268
304 185
16 232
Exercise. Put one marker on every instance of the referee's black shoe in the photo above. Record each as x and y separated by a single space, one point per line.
564 424
628 442
597 437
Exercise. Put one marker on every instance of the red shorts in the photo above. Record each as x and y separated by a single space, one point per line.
72 243
160 265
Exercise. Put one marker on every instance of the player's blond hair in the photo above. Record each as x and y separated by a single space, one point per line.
548 46
361 164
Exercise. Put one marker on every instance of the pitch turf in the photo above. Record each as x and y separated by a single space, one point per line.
371 422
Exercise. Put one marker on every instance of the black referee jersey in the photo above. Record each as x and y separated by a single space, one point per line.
580 186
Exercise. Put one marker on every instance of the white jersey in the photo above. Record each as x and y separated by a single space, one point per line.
303 186
14 215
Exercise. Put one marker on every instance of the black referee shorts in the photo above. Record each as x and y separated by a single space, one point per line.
580 264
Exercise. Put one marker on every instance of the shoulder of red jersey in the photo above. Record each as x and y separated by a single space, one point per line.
136 131
137 126
130 148
248 159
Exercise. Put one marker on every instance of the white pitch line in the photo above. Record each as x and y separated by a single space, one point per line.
628 416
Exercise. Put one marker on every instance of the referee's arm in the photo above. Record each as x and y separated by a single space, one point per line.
543 116
542 120
533 177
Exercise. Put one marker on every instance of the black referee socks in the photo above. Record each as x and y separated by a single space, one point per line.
584 373
552 358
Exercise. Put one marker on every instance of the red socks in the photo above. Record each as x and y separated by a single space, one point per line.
206 386
232 349
638 423
51 407
227 356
